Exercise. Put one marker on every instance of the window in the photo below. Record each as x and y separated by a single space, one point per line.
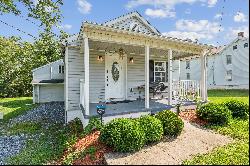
160 71
229 75
187 64
188 76
229 59
61 69
245 45
235 47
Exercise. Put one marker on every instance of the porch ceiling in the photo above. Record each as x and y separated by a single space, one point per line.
138 50
181 48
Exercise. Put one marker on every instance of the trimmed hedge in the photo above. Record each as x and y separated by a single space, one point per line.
238 108
214 113
152 127
172 124
124 135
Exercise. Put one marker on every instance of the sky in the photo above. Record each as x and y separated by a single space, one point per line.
214 22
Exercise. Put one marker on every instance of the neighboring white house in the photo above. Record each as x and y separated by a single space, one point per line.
227 67
115 63
48 82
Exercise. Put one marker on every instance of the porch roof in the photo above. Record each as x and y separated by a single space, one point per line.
101 32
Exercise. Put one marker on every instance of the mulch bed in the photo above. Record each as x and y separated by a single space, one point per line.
190 115
84 143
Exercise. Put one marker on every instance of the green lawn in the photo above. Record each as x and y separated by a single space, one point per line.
12 107
236 153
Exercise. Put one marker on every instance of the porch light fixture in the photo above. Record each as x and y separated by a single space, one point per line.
121 53
100 58
131 60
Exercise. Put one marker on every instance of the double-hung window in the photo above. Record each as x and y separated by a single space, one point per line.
61 69
160 70
229 75
229 59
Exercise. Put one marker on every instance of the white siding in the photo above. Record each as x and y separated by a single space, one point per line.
51 92
217 67
44 72
75 72
97 77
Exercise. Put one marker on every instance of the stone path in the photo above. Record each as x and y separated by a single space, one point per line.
192 141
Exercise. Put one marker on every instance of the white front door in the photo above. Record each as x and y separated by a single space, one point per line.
115 72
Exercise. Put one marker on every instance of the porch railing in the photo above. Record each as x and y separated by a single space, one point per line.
82 97
186 89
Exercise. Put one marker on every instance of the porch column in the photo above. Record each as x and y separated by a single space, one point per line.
203 77
170 76
86 67
147 77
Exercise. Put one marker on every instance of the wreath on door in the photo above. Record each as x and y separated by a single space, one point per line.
115 71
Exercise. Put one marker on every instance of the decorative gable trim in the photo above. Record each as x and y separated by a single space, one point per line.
130 15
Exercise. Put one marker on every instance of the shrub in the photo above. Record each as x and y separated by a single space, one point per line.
172 124
124 135
214 113
94 123
152 127
238 108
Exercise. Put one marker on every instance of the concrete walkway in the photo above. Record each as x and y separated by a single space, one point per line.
192 141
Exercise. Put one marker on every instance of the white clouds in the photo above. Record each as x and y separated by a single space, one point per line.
159 13
84 6
162 8
240 17
233 32
186 35
65 26
201 29
211 3
218 16
198 26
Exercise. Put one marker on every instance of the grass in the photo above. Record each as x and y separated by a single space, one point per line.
236 153
12 107
25 128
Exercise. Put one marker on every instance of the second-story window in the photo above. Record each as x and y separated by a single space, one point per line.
235 47
61 69
245 45
187 64
229 59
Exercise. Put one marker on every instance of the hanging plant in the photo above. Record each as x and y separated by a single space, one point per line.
115 71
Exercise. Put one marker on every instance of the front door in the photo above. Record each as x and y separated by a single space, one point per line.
115 72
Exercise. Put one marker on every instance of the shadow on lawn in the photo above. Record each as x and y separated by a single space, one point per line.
17 107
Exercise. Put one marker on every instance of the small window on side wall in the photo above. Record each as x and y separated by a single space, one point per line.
235 47
245 45
61 69
188 76
229 75
229 59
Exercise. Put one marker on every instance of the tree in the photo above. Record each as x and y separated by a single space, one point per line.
18 58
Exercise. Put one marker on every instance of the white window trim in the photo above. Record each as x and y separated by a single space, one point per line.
227 59
161 71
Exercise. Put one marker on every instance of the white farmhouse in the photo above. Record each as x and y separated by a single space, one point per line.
227 67
116 63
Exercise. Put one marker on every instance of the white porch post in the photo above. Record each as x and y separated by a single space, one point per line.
203 77
170 76
147 77
86 67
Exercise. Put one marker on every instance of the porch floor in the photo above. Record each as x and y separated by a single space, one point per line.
131 107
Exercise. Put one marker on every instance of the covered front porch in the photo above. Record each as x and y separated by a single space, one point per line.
118 73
